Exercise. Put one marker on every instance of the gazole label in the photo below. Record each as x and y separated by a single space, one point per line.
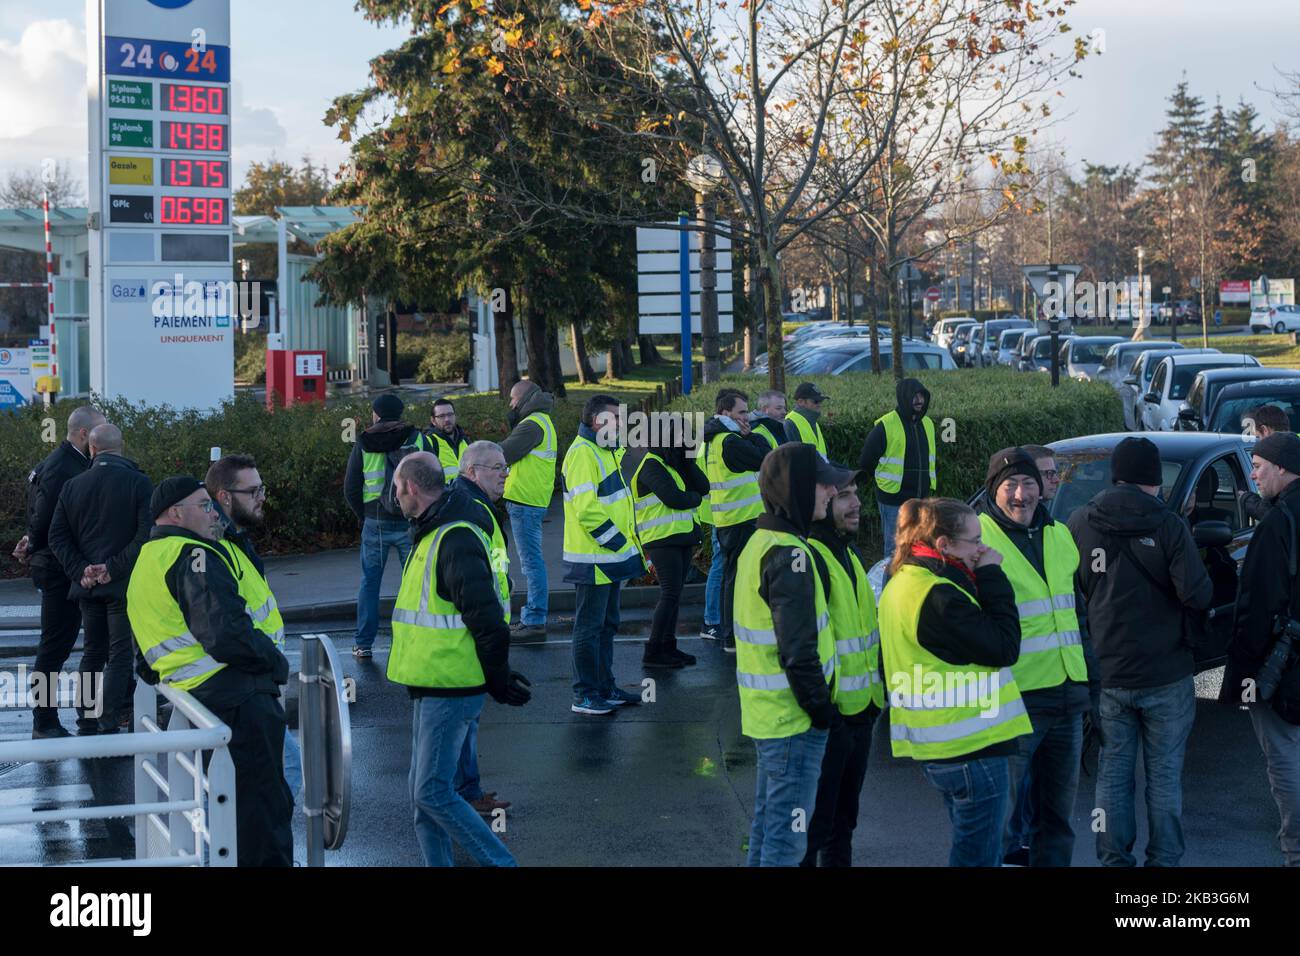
130 170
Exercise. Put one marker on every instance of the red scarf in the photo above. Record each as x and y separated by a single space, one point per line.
920 550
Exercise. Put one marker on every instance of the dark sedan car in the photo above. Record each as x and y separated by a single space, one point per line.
1235 400
1208 386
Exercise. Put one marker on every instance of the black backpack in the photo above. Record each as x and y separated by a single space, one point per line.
388 497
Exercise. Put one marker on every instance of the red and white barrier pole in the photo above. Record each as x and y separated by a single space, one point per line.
51 338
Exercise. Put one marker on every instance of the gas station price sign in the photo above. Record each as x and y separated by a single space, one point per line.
203 137
190 98
200 173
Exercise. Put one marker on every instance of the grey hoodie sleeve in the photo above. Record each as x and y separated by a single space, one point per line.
522 439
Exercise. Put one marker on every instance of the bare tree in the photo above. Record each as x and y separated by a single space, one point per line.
25 188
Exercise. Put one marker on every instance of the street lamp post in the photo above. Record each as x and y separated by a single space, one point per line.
1054 324
1142 310
704 173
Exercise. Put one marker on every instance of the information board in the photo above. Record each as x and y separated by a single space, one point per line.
160 139
15 378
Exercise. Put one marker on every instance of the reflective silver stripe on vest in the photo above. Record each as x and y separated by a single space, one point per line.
616 496
580 490
204 665
172 644
873 639
277 638
548 455
609 535
574 557
263 612
733 505
373 474
648 501
1063 602
762 681
1058 602
945 733
828 669
443 622
665 519
955 697
449 474
751 636
890 461
1049 642
859 681
851 645
749 478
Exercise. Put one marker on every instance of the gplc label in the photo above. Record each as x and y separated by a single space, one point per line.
130 209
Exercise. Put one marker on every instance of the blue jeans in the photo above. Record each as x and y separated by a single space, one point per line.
293 764
785 797
713 586
976 793
526 526
467 782
377 536
439 727
1161 718
595 622
1053 750
888 522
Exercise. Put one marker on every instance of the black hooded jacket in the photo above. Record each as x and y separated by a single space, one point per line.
654 479
383 436
786 586
739 452
465 578
916 457
1149 649
47 480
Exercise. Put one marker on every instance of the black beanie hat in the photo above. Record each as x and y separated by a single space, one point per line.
1136 461
388 407
170 491
1282 449
1008 462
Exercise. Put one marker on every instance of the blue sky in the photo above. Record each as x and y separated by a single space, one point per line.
292 57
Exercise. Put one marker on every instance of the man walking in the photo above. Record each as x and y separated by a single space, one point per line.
733 455
900 453
600 553
785 652
99 526
451 646
60 614
1146 661
448 439
195 632
531 452
1266 611
801 424
367 487
1040 560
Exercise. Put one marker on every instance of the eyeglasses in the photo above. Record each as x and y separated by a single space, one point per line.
257 491
205 506
444 416
968 540
1051 474
504 469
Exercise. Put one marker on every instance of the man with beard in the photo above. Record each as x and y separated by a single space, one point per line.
900 453
449 439
238 491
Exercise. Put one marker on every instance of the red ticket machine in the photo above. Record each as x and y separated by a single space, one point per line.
293 377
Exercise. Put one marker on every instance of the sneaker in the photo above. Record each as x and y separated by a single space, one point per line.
619 697
362 653
1017 857
661 659
593 706
50 733
711 632
519 631
729 645
682 656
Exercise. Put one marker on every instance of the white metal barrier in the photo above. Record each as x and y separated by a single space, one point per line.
185 817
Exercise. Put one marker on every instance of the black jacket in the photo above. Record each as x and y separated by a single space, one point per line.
45 482
840 546
103 517
382 437
465 578
1255 506
217 616
482 505
916 456
770 425
739 452
654 479
792 430
956 631
1265 592
1152 648
788 589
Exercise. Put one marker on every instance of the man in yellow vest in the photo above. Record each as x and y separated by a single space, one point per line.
531 451
236 488
785 652
1039 558
193 631
900 453
732 456
482 480
448 439
859 692
600 553
451 646
801 424
770 416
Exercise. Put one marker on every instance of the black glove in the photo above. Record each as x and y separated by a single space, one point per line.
514 693
825 717
280 674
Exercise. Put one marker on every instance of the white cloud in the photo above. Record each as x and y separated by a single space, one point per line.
43 96
254 126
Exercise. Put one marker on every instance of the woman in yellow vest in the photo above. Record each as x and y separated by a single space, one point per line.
949 633
667 489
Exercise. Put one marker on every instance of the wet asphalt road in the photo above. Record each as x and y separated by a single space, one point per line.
666 783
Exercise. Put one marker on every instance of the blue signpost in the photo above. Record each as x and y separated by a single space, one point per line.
684 252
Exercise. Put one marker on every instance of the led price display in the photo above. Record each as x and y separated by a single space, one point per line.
187 98
194 211
201 173
203 137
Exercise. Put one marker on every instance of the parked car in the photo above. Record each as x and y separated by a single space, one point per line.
1171 381
1278 318
1138 382
1209 384
1008 343
1237 399
1119 359
990 344
1082 357
1039 355
941 333
856 357
961 342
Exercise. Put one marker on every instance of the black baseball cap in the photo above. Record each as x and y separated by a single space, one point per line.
833 473
810 392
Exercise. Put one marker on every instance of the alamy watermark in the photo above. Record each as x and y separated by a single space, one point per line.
182 303
638 429
920 689
18 691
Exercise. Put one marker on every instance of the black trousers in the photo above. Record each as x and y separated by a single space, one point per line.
263 803
60 622
671 565
835 814
110 648
732 539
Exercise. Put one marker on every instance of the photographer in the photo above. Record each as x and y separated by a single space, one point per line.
1267 597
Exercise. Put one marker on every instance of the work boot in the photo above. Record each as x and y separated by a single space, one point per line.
485 804
657 655
682 656
50 732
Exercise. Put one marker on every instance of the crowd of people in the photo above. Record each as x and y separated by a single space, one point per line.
998 628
